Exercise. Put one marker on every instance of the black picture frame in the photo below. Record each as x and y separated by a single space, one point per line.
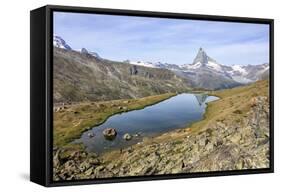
41 100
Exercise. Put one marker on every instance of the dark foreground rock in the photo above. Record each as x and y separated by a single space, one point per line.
235 142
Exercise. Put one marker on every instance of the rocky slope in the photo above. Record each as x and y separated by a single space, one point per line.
82 76
237 139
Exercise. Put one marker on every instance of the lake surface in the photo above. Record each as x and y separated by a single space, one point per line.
174 113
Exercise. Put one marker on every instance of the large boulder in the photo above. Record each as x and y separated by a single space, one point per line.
109 133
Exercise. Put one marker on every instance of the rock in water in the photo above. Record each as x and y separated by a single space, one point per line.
91 135
127 137
109 133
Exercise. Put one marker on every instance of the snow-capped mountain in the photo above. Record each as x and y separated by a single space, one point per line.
235 74
60 43
154 64
249 73
141 63
169 66
206 72
252 72
203 60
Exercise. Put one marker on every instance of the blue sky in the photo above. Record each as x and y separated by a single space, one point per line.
173 41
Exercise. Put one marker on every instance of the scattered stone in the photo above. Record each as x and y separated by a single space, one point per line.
94 161
127 137
109 133
70 166
84 166
89 171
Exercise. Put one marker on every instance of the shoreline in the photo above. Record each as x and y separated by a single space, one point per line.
183 131
192 129
132 104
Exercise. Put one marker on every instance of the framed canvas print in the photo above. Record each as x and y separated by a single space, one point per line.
122 95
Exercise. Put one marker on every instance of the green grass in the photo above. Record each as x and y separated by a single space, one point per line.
69 123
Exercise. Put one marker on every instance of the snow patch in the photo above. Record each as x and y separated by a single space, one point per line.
214 65
142 63
240 69
193 66
241 79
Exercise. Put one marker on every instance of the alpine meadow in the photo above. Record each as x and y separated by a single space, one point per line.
140 96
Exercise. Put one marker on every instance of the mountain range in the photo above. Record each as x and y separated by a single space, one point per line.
206 72
83 76
131 79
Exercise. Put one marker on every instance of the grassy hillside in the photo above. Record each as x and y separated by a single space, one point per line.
79 77
236 101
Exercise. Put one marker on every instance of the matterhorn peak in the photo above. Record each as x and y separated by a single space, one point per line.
202 57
